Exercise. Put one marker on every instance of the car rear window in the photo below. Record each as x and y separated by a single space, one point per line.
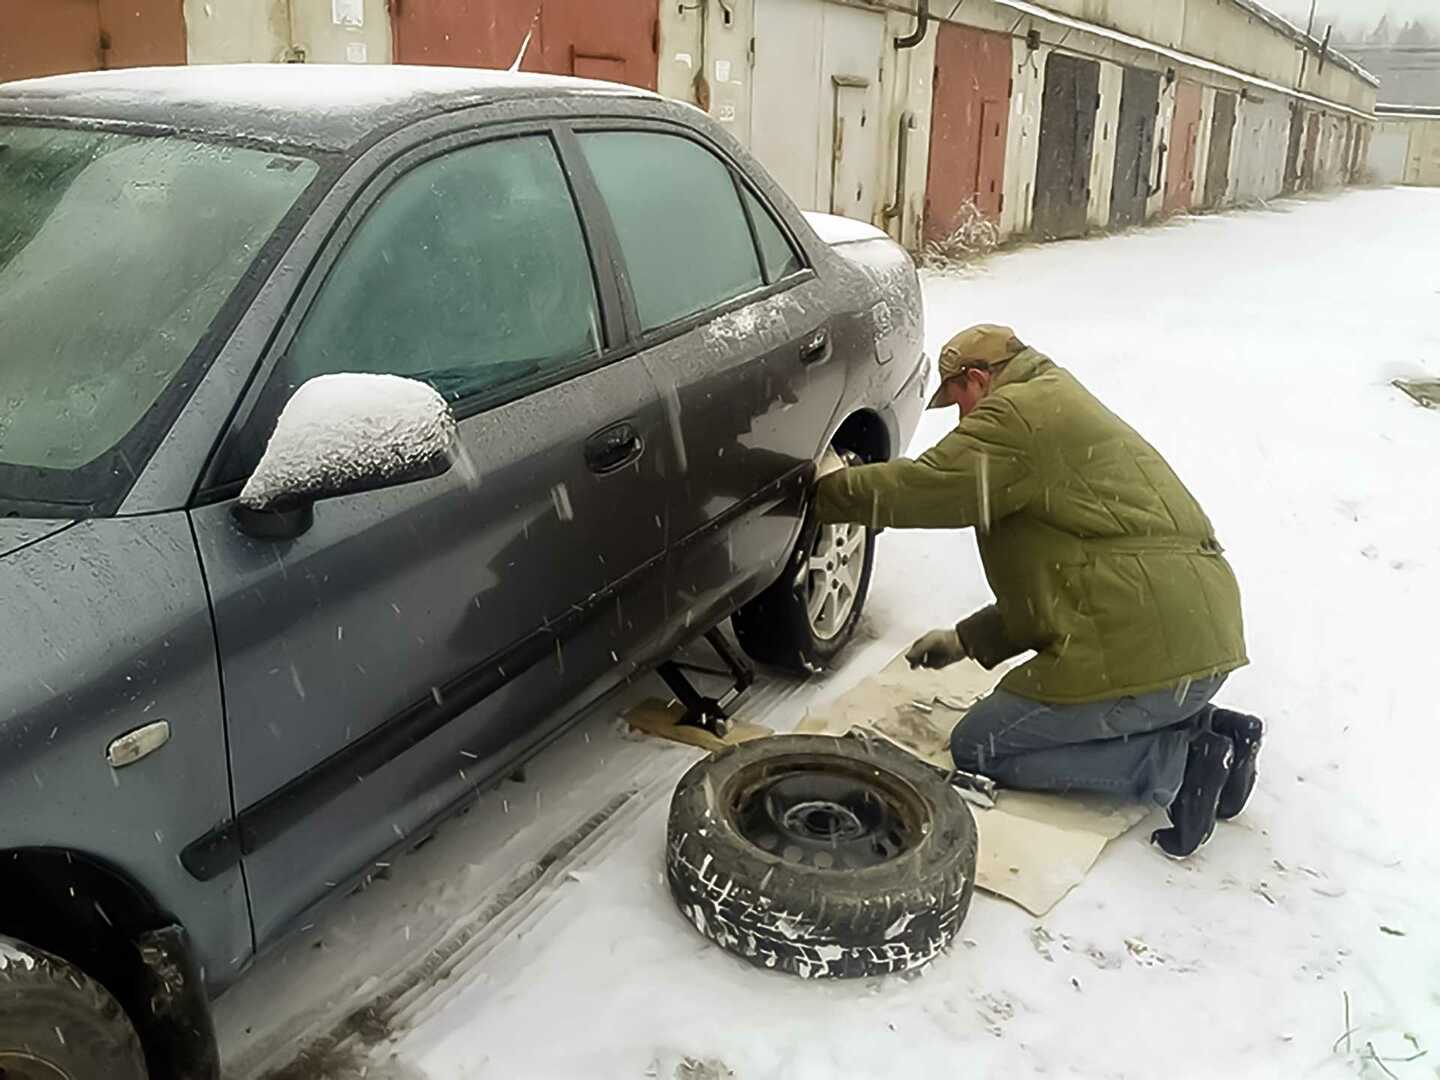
116 253
777 254
682 228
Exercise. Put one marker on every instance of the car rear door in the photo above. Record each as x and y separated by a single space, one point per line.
414 640
734 327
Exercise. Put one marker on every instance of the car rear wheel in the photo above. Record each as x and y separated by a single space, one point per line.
803 621
57 1023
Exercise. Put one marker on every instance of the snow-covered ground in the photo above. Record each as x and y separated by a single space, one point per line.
1255 350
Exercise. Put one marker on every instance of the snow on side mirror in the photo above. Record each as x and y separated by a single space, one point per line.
340 435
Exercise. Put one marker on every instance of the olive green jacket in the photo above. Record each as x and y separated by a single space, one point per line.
1100 559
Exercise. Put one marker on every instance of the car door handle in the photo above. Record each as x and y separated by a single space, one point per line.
816 347
613 448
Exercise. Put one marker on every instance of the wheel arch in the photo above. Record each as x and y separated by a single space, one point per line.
865 432
95 916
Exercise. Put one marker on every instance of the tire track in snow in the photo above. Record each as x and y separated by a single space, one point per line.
448 968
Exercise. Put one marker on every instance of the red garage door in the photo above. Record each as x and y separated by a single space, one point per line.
616 40
968 127
47 37
1184 147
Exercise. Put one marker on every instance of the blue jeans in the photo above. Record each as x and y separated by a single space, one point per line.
1133 747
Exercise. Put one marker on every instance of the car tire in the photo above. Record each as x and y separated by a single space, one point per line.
820 856
57 1023
807 617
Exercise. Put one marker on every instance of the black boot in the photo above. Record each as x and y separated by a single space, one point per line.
1246 732
1192 814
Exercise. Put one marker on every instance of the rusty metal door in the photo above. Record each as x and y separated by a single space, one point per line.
968 128
1222 138
1184 147
142 33
1292 152
1312 143
1134 147
49 37
1067 142
617 40
45 37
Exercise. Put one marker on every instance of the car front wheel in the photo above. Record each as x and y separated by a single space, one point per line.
803 621
57 1023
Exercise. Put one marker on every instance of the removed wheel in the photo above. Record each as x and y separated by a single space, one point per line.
824 857
803 621
57 1023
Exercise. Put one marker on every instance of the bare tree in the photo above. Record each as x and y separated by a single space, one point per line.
1416 32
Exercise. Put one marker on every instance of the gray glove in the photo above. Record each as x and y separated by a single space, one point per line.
937 649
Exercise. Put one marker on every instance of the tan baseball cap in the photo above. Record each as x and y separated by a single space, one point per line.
980 346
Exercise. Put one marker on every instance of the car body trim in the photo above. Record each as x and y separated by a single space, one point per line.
265 820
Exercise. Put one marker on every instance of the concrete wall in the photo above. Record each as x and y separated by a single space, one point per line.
1228 33
909 79
1202 144
1162 157
225 32
1022 144
1102 164
1423 167
705 56
266 31
1390 152
315 32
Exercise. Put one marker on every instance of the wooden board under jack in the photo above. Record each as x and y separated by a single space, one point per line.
654 717
1034 848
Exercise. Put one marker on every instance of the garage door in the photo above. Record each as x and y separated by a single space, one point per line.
1184 147
617 40
1134 147
968 126
48 37
1222 141
1067 142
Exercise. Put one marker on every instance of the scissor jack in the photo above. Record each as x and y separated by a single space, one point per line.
709 713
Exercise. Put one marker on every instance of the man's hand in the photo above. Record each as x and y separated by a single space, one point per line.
937 649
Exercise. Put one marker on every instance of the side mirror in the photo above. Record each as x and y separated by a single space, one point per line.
341 435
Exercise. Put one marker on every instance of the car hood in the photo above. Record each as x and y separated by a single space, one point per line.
16 533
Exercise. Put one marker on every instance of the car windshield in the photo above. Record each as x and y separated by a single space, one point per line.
117 252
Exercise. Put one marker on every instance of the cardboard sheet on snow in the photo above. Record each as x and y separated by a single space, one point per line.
1034 848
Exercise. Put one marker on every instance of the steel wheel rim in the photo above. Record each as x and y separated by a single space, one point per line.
19 1065
830 578
826 814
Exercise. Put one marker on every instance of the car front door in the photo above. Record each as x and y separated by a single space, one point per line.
735 329
414 640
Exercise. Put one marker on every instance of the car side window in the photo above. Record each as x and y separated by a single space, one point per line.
470 273
778 257
682 228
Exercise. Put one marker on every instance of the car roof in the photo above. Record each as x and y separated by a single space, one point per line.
325 106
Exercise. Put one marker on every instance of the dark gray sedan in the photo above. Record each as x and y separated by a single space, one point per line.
357 428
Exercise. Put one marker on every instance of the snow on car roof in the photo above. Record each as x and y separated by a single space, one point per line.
323 105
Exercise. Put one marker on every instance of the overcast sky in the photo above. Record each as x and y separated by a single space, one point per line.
1368 11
